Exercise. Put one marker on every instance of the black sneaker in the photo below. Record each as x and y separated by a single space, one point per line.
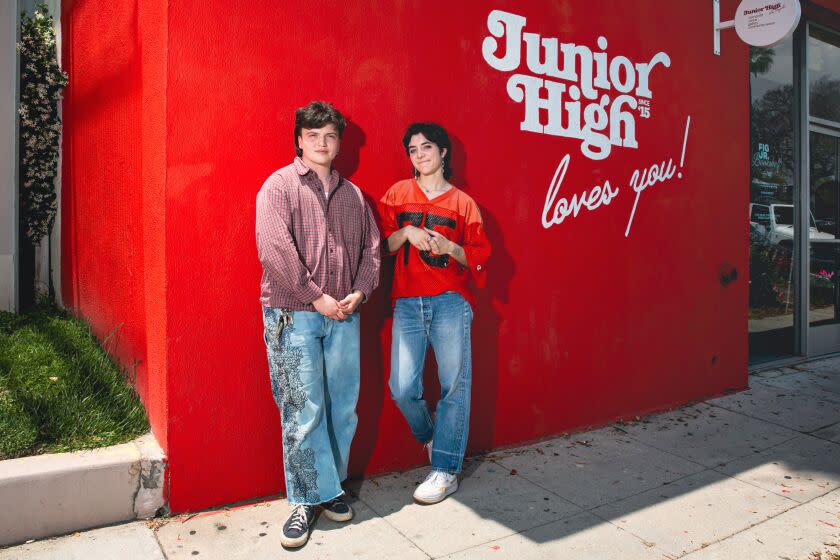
337 510
296 528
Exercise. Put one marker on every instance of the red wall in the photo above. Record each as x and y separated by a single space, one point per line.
579 325
111 236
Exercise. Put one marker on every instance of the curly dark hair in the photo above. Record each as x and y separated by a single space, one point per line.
435 134
317 114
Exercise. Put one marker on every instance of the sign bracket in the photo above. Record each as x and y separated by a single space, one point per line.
718 25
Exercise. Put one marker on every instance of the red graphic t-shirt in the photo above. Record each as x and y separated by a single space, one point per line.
453 214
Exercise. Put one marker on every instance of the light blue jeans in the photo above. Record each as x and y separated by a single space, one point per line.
444 321
314 368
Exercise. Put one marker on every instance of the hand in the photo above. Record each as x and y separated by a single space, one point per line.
349 304
329 307
440 244
419 238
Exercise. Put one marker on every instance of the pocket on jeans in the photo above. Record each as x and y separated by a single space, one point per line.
269 325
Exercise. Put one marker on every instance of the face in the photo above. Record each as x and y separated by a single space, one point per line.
425 155
319 145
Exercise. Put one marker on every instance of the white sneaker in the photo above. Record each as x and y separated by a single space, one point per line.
436 487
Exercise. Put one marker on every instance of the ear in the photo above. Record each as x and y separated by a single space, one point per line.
443 153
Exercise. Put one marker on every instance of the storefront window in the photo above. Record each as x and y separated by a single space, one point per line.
824 74
825 207
772 206
824 150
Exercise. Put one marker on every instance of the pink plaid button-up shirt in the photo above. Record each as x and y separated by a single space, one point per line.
310 243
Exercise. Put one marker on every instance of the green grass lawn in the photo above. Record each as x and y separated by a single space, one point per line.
59 391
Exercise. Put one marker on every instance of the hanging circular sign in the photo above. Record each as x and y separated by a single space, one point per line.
764 23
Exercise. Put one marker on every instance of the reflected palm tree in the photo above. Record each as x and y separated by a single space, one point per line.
761 60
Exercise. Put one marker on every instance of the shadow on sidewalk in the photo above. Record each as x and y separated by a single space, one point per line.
677 481
764 463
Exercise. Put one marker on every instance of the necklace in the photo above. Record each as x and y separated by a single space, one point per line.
429 190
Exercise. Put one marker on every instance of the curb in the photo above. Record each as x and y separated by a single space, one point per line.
49 495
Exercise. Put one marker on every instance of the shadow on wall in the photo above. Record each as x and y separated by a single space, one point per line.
375 313
376 326
101 108
347 161
487 322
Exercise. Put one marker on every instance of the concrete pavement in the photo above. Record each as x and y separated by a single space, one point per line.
57 493
752 475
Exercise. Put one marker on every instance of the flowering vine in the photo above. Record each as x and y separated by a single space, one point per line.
41 82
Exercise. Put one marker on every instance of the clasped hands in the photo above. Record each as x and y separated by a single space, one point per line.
426 239
332 308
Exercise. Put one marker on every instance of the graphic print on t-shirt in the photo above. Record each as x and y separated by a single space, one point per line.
454 215
442 221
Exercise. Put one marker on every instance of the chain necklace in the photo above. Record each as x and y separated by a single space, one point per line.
430 191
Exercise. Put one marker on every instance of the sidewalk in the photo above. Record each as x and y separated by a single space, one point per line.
752 475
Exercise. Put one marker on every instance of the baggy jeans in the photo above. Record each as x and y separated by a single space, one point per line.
444 321
313 363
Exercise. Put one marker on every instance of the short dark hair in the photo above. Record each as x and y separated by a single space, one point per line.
317 114
435 134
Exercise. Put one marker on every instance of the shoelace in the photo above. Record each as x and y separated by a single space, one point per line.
437 477
299 519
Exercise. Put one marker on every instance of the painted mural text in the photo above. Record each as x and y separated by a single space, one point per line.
656 174
557 208
573 96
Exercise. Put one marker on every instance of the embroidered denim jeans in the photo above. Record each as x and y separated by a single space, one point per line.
444 322
313 363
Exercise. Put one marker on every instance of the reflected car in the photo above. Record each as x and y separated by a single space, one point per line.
774 223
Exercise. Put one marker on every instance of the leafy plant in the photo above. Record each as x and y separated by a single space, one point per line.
41 82
769 269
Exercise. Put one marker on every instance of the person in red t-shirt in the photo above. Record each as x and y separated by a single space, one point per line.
435 230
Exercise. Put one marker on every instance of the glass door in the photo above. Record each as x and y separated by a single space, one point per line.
824 241
773 204
794 204
823 63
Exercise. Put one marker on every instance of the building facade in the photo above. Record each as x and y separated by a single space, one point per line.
608 147
794 193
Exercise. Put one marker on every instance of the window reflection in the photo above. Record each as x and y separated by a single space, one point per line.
825 251
824 150
772 207
824 74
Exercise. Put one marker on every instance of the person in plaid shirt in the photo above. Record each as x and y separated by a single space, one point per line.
319 247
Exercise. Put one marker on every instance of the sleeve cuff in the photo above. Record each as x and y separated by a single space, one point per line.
478 270
384 248
309 292
363 291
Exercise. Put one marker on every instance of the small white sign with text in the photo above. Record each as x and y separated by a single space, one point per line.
764 23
